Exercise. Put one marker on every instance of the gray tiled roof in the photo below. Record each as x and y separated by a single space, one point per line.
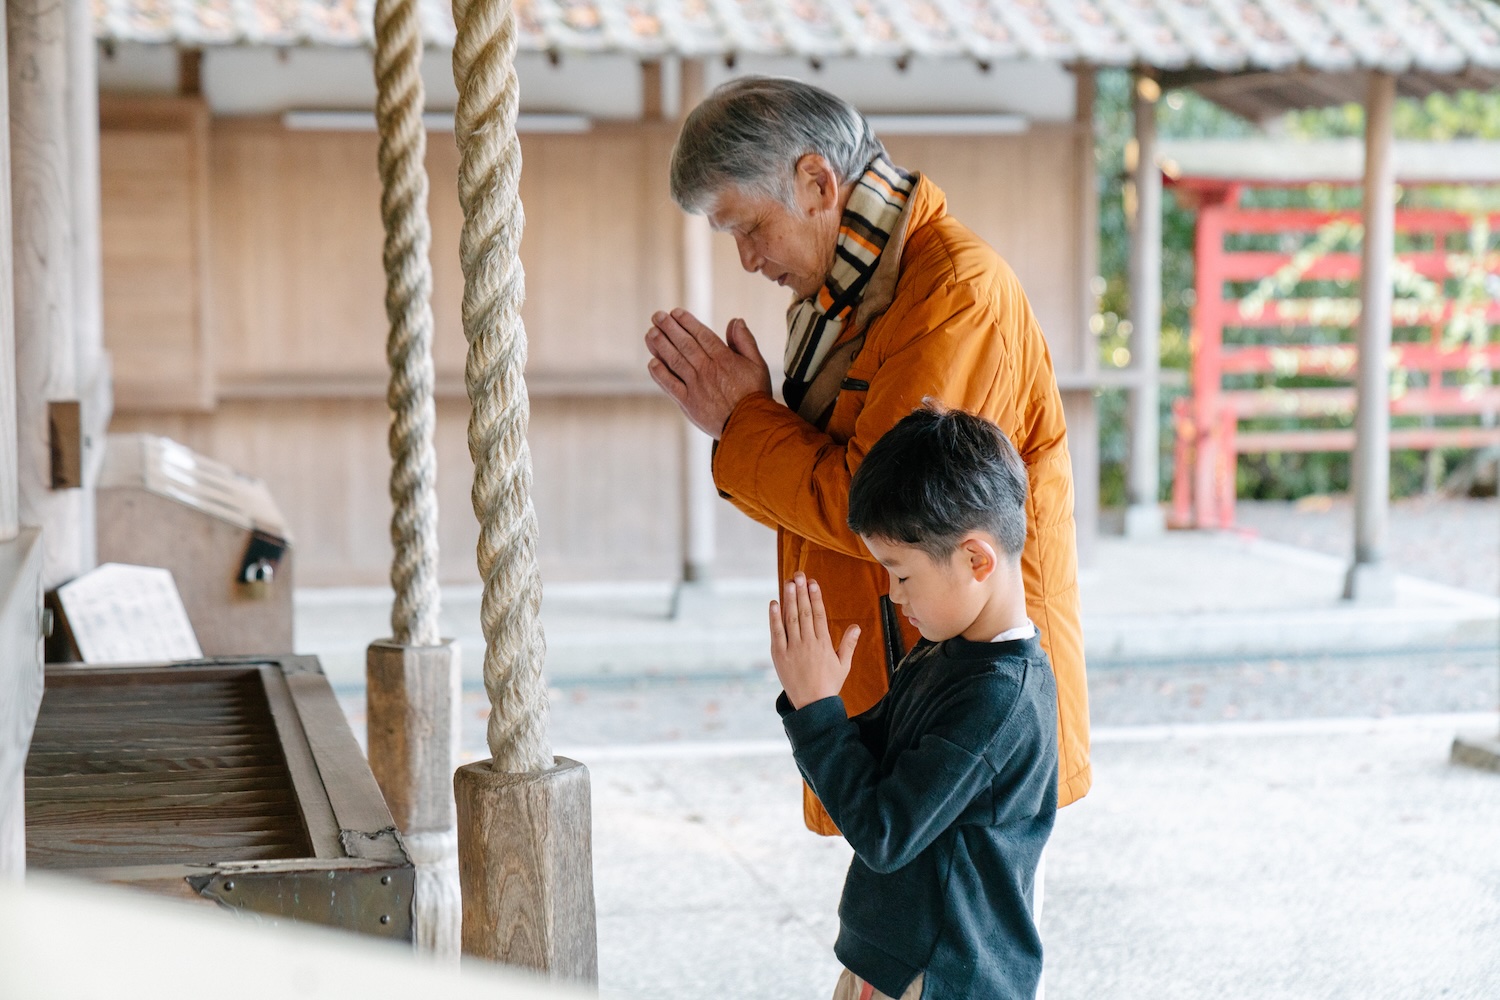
1255 56
1434 36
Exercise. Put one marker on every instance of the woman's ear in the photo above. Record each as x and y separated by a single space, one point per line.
816 183
981 556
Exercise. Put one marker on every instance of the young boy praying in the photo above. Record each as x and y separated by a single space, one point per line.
947 788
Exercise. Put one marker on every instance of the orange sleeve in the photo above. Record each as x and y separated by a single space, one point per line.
745 507
771 460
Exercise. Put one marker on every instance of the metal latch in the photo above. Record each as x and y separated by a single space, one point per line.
258 567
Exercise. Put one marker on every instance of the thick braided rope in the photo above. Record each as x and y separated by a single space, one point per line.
489 174
408 282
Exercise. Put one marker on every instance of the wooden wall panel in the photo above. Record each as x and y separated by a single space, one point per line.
296 239
296 264
601 247
153 204
605 487
298 332
1016 192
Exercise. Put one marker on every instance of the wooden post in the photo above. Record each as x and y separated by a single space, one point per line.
20 686
698 492
20 556
1143 516
1369 578
47 345
88 266
10 515
413 694
526 864
1078 404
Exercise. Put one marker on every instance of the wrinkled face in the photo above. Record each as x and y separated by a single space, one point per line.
792 248
938 596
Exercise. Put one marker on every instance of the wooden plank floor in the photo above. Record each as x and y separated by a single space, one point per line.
158 769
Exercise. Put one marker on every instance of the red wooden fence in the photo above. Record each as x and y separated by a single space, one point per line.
1445 315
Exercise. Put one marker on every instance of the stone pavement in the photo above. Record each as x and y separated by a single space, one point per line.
1184 596
1284 858
1265 861
1273 816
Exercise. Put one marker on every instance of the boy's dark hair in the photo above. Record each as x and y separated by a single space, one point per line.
936 476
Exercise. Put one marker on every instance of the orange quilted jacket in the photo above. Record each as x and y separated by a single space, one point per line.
959 329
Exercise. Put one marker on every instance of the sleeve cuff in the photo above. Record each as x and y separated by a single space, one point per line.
813 719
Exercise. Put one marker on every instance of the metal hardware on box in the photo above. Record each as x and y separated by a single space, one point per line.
258 566
374 900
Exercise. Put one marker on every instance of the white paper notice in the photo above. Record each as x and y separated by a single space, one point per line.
128 614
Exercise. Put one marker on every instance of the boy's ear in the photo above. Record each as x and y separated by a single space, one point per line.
981 556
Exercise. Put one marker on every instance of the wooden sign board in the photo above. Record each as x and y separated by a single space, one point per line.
128 614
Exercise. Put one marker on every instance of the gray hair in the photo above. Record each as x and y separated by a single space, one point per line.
752 131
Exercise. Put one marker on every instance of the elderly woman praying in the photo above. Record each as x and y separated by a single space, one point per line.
893 302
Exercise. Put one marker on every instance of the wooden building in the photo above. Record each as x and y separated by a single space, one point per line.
242 279
243 288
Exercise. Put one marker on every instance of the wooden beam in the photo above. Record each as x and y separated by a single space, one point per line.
651 102
1143 516
1287 161
43 193
1369 579
190 73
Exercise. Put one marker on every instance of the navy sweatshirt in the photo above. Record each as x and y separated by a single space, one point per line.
946 790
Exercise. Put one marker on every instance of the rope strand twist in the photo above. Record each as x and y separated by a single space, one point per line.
408 270
489 174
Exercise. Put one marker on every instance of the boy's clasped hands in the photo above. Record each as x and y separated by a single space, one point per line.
802 650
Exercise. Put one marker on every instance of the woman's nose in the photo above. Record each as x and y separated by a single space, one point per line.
749 259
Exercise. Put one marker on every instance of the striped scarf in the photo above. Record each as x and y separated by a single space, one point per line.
815 324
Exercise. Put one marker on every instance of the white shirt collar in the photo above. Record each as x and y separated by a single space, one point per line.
1026 631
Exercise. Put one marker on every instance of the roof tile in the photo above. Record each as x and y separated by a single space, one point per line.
1438 37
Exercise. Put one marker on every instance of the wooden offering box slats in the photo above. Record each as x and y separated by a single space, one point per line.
232 780
157 769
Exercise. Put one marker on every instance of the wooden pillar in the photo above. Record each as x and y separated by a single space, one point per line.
20 686
20 556
1143 516
88 265
51 378
10 515
1369 578
413 695
698 491
1078 404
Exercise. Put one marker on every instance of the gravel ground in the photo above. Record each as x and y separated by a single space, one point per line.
1452 541
1456 542
691 710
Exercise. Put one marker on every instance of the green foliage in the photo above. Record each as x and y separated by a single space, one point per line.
1436 118
1185 115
